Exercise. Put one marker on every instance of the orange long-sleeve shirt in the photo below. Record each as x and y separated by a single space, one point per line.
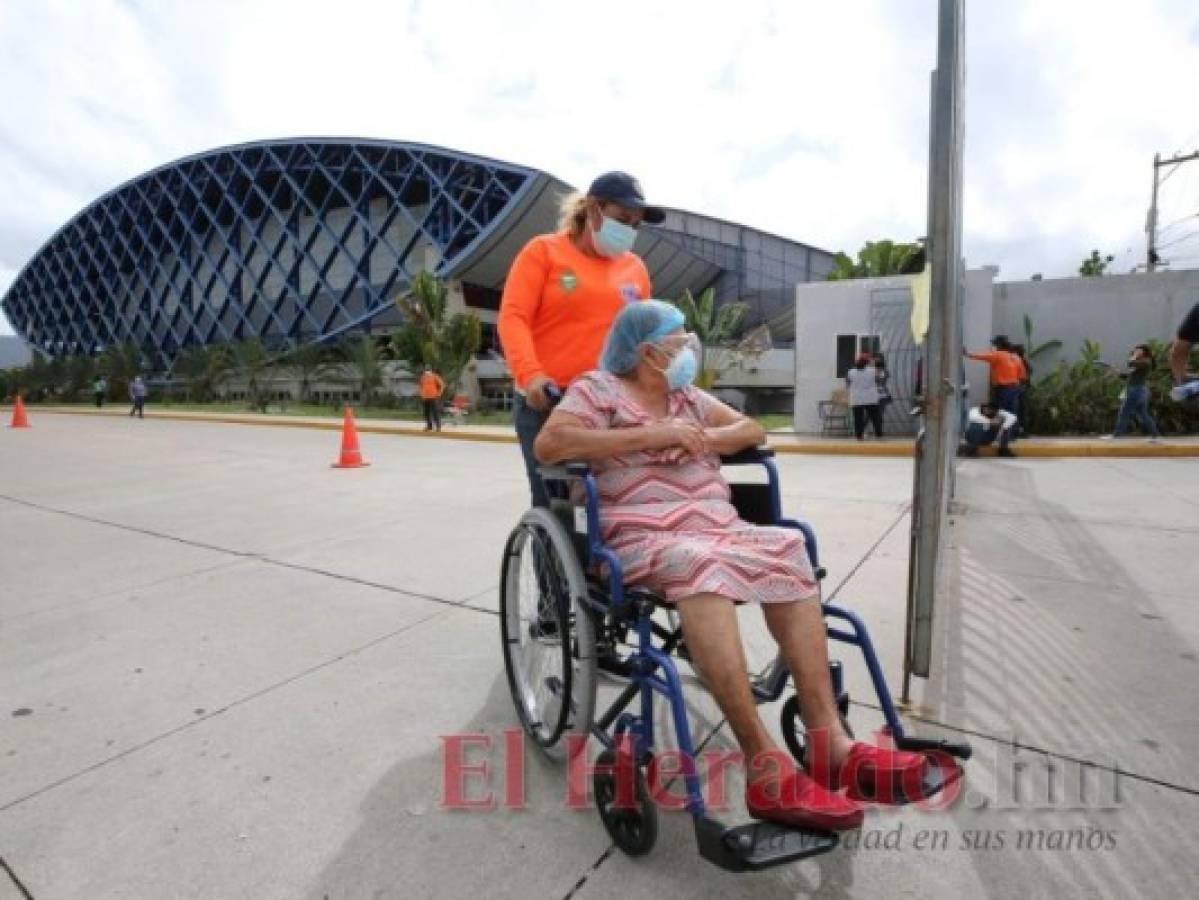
558 305
1006 367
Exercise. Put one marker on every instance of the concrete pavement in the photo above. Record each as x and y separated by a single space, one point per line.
225 669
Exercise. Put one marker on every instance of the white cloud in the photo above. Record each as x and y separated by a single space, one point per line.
809 120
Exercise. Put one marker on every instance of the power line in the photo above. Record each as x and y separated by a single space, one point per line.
1151 257
1168 175
1176 223
1178 240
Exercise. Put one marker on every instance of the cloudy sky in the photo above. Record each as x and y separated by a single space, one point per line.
803 118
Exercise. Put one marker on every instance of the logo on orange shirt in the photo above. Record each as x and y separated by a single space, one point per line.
631 292
570 281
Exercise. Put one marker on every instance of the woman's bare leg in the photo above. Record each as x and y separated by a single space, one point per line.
714 643
798 628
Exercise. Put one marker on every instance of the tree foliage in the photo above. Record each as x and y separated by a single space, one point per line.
120 364
428 337
718 329
253 365
362 365
1095 265
202 369
877 259
1083 396
308 363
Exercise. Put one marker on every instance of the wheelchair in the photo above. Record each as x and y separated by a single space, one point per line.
564 608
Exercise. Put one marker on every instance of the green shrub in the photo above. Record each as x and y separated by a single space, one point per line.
1083 397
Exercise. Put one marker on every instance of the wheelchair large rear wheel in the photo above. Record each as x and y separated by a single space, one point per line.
548 637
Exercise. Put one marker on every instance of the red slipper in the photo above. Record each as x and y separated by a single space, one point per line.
878 774
795 800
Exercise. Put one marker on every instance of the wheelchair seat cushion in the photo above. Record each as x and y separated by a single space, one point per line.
669 517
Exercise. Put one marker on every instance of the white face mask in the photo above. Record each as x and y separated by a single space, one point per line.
683 366
613 238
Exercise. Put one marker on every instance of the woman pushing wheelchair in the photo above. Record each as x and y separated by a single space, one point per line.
654 442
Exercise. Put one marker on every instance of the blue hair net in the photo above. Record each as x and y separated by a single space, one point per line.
639 323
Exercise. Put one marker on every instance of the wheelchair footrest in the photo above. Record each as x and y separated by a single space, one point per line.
961 750
758 845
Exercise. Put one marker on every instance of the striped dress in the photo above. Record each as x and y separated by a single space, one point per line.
668 517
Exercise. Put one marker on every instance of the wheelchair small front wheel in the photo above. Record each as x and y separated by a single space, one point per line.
625 806
548 637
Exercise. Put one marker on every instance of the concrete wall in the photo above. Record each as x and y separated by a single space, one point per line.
826 309
1115 310
822 311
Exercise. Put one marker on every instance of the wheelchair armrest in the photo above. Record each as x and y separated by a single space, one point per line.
747 456
572 468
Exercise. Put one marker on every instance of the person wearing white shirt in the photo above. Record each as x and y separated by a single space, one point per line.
986 425
862 381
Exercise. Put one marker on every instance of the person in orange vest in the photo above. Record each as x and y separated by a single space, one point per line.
1008 374
563 293
431 389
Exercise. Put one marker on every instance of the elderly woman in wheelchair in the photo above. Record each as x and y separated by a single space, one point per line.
653 443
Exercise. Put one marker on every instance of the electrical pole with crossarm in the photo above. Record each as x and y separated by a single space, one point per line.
1151 258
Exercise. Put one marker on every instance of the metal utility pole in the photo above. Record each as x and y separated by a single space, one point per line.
935 448
1151 222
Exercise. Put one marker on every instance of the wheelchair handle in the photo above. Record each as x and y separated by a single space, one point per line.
565 471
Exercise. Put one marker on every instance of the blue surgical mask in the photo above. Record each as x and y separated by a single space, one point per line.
683 368
613 238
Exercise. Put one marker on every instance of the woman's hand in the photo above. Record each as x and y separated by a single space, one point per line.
685 435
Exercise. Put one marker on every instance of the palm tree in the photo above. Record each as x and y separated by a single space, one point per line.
80 370
252 364
120 364
362 365
877 259
716 327
308 363
1032 350
428 338
34 380
202 370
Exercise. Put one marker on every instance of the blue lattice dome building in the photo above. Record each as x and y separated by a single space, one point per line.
303 240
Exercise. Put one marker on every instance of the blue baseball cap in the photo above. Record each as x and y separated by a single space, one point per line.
623 188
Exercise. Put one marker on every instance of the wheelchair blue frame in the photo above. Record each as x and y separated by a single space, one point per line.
653 671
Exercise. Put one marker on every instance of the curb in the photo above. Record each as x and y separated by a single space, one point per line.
897 450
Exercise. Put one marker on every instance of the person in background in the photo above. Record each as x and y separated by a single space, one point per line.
985 425
1135 405
1186 385
431 388
137 394
862 381
563 293
99 389
1007 373
883 379
1022 395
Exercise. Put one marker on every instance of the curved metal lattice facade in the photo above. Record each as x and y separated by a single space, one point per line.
290 241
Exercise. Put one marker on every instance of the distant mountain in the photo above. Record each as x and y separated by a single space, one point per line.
13 351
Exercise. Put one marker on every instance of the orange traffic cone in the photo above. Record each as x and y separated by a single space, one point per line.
351 456
20 419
